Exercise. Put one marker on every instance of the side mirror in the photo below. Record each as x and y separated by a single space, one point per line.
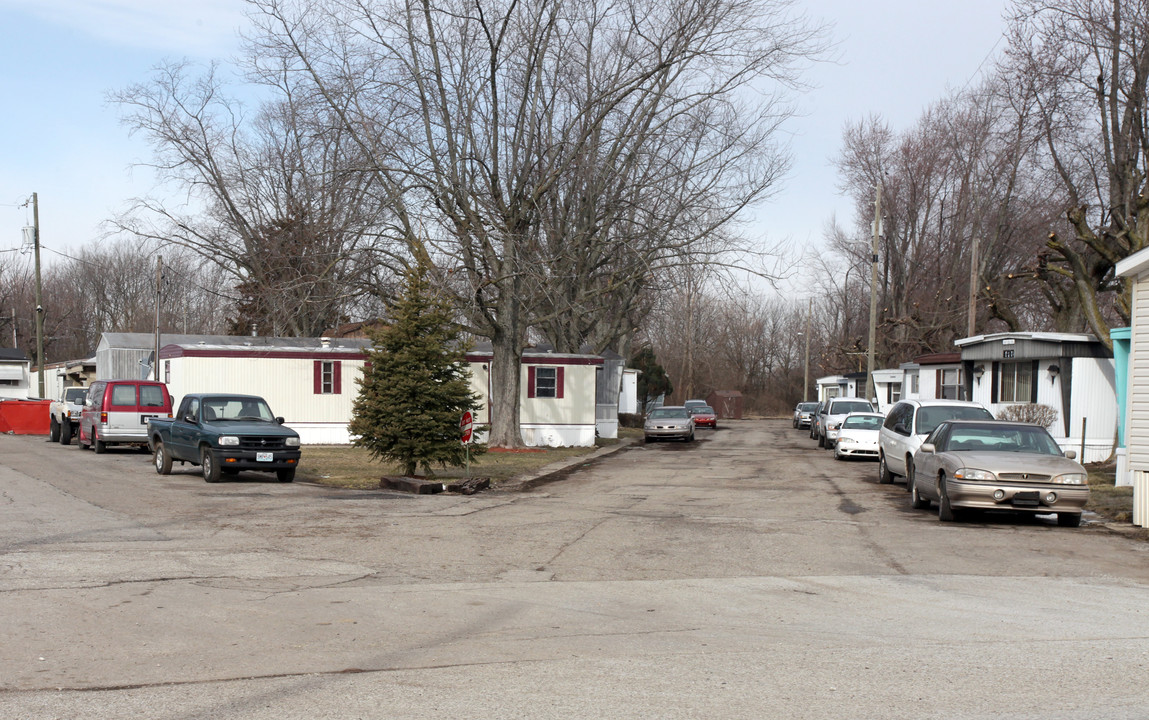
280 420
189 418
928 448
1071 454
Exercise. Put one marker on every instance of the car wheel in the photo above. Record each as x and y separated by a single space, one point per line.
884 475
53 430
909 471
646 439
210 466
162 460
945 510
1069 519
690 437
97 444
66 433
917 502
285 475
837 455
821 440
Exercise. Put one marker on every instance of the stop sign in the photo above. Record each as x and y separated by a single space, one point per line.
465 426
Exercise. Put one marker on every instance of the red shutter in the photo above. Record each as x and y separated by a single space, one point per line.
318 374
559 382
337 376
530 381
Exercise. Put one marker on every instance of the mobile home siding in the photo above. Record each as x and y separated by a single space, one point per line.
1137 430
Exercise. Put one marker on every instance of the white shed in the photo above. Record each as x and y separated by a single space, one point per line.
1136 267
15 380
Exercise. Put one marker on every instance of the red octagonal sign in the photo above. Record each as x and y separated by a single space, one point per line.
465 426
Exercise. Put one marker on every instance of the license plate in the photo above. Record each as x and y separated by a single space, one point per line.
1027 498
264 457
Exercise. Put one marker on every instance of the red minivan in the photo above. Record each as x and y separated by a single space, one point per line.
117 411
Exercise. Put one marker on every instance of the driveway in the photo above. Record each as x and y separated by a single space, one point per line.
746 575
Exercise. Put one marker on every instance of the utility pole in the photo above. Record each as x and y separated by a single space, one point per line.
873 293
159 290
39 294
973 283
806 376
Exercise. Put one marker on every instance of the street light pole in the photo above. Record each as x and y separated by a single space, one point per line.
39 294
873 293
806 374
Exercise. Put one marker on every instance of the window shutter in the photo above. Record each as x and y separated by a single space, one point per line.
337 376
1033 383
559 382
993 373
318 376
530 381
938 385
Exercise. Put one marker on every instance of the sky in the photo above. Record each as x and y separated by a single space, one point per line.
62 140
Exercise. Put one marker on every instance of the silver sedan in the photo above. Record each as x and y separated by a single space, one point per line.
997 465
672 421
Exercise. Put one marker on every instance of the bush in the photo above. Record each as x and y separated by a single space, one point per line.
630 420
1036 414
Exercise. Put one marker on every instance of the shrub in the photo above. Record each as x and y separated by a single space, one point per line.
630 420
1037 414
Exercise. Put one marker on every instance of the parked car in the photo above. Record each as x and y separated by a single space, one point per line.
858 436
831 415
694 403
998 465
803 411
668 421
704 416
224 434
65 414
814 415
906 426
117 412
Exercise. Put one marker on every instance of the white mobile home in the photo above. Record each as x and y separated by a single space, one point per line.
1070 372
15 378
310 382
1136 267
557 395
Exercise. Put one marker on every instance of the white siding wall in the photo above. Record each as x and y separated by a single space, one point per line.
628 397
1137 427
286 383
565 421
24 388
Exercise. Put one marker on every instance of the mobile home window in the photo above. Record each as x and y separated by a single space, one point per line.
327 377
893 392
1016 381
951 387
545 382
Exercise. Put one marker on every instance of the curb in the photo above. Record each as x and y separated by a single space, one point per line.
559 470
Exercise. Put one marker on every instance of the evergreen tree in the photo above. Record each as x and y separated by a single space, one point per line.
652 379
416 387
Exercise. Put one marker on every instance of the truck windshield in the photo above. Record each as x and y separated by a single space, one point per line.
236 408
75 395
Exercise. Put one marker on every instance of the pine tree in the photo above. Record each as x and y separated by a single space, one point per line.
416 387
652 379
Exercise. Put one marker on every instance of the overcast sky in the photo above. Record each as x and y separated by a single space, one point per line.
62 141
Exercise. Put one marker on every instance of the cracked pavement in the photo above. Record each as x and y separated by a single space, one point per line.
748 574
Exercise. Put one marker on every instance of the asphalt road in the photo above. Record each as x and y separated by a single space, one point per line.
747 575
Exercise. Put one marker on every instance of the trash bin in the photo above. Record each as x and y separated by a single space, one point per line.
24 417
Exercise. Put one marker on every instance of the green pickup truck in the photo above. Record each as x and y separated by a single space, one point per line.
224 434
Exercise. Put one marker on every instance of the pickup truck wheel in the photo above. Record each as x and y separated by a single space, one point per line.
66 433
288 475
54 430
162 459
97 444
210 466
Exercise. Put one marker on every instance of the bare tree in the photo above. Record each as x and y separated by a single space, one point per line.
484 120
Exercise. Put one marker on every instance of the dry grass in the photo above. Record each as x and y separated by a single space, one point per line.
1115 503
346 466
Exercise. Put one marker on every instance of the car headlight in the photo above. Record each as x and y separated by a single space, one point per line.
1070 479
292 442
971 474
228 440
832 426
845 439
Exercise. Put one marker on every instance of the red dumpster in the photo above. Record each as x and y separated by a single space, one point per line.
24 417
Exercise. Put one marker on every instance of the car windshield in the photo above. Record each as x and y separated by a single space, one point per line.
236 408
807 407
930 417
1009 438
701 410
862 422
664 413
846 406
75 395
